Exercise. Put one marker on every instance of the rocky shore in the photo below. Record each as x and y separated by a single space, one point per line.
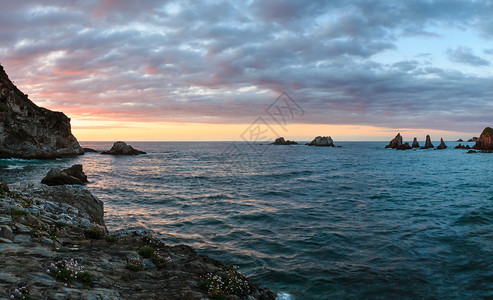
54 245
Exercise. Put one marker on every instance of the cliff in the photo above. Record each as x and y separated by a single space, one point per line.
29 131
485 141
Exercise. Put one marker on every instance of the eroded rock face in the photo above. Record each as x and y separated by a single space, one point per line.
442 145
485 141
415 143
322 141
428 143
121 148
29 131
281 141
396 142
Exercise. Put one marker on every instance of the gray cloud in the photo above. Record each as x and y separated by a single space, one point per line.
197 60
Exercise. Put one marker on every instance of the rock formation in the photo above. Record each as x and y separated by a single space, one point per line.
29 131
39 231
460 146
473 139
485 141
121 148
72 175
89 150
442 145
428 143
396 143
281 141
322 141
415 143
460 140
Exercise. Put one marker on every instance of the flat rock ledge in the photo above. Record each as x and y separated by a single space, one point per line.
40 232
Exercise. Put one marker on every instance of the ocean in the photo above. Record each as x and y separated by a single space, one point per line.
356 222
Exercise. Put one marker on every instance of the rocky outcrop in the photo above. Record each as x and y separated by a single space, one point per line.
428 143
281 141
396 143
322 141
442 145
72 175
37 240
460 146
460 140
121 148
473 139
415 143
89 150
29 131
485 141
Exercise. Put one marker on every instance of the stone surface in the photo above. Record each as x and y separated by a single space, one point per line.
281 141
121 148
442 145
460 140
415 143
485 141
396 143
72 175
26 261
322 141
460 146
428 143
89 150
29 131
473 139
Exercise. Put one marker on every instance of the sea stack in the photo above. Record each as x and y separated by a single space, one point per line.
428 143
30 131
322 141
485 141
396 143
442 145
281 141
121 148
415 143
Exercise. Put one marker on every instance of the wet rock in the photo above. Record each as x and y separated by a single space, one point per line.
396 142
460 140
6 232
471 151
428 143
442 145
4 188
281 141
415 143
121 148
322 141
460 146
89 150
72 175
485 141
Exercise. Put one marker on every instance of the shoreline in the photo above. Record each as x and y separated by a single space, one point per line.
42 227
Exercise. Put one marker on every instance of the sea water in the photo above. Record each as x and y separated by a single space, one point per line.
358 221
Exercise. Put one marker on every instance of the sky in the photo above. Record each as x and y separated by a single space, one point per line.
218 70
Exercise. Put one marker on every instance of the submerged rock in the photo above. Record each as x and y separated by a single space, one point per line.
415 143
428 143
322 141
72 175
30 131
121 148
442 145
281 141
485 141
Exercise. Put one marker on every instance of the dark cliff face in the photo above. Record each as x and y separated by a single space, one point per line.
485 141
29 131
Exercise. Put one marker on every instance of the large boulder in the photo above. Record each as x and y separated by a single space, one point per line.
121 148
485 141
428 143
72 175
29 131
415 143
442 145
281 141
322 141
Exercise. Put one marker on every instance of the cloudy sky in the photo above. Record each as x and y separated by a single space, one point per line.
171 70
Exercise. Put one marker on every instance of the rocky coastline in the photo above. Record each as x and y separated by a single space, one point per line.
54 245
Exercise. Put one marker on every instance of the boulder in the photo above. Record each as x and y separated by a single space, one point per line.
415 143
30 131
442 145
485 141
405 146
460 146
281 141
322 141
121 148
72 175
428 143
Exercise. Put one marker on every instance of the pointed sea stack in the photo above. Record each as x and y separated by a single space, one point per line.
428 143
485 141
415 143
30 131
396 143
322 141
442 145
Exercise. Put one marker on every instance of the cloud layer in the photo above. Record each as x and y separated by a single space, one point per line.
225 62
